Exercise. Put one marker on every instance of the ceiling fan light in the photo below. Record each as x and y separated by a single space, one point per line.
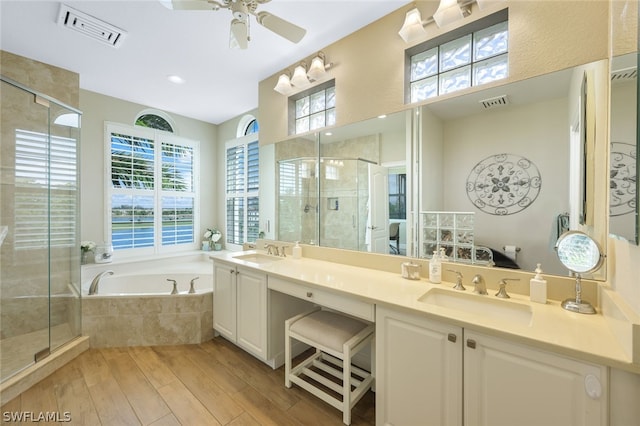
239 36
412 29
299 78
317 71
448 12
284 85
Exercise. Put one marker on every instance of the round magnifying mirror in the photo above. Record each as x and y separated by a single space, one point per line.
580 254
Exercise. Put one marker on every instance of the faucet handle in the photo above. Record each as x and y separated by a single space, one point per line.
459 277
192 283
479 286
175 286
502 292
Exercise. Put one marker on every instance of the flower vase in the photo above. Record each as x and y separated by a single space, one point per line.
206 246
85 256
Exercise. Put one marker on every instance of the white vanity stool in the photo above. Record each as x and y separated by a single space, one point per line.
337 338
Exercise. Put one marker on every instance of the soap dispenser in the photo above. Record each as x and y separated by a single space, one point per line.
538 287
435 268
297 251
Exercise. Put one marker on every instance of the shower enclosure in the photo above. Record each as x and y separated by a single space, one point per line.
39 227
324 201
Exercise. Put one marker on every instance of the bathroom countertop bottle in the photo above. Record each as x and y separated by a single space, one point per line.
297 251
435 268
538 287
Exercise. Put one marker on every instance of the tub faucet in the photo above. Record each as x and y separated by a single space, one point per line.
479 286
192 289
175 286
94 284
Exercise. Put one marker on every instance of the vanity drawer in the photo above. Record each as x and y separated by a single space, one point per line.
344 304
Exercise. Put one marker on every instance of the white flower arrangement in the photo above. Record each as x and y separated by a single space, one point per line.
87 246
212 234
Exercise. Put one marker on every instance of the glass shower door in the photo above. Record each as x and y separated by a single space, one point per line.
39 250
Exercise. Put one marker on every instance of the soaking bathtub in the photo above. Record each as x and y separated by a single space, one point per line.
135 307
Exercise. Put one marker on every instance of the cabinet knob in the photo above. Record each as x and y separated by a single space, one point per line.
471 343
231 271
309 294
452 337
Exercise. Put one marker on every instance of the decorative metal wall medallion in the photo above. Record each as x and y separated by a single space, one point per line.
623 177
503 184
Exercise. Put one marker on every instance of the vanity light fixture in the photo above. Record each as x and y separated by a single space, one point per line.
448 12
301 78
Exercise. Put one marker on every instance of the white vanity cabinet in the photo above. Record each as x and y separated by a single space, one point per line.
240 307
418 370
507 383
428 370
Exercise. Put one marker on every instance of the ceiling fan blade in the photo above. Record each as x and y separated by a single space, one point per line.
239 35
281 27
187 4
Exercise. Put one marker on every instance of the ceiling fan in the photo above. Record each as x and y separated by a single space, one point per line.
241 9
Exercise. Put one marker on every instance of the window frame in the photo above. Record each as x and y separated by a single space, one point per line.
245 194
292 118
159 137
437 42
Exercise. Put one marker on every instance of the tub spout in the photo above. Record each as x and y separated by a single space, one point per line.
94 284
175 286
192 289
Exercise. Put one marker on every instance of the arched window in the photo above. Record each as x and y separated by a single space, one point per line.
247 125
155 120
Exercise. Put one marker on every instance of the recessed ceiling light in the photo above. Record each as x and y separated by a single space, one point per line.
382 116
175 79
328 134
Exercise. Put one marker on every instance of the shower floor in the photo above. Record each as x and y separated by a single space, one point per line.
17 353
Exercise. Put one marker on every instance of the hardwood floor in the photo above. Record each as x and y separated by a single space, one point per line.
214 383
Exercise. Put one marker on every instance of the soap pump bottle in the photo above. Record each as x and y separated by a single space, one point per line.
435 268
538 287
297 251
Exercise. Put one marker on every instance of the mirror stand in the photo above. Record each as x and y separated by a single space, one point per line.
578 305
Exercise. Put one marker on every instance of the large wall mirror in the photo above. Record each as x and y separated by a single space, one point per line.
500 166
624 218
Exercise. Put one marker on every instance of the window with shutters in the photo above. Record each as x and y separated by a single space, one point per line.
153 192
242 187
46 190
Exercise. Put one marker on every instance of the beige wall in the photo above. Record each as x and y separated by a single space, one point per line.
99 108
369 64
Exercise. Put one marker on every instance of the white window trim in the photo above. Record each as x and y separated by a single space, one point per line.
244 140
159 137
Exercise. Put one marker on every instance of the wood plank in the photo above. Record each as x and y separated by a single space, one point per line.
11 407
212 396
108 399
216 371
72 395
255 373
168 420
41 398
186 407
143 397
244 420
156 372
262 408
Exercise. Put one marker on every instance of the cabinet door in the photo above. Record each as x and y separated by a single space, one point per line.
224 300
251 293
418 370
508 384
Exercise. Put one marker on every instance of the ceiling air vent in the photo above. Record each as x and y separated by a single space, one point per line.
626 74
90 26
495 102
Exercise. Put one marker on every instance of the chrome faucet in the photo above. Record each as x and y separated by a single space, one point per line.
272 249
192 288
94 284
479 286
459 277
502 292
175 286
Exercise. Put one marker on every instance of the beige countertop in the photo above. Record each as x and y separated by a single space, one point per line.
591 338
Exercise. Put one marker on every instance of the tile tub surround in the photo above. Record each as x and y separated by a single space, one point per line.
113 321
149 319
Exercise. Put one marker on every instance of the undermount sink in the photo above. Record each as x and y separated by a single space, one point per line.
486 306
257 258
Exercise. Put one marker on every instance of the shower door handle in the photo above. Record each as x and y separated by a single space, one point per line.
373 227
